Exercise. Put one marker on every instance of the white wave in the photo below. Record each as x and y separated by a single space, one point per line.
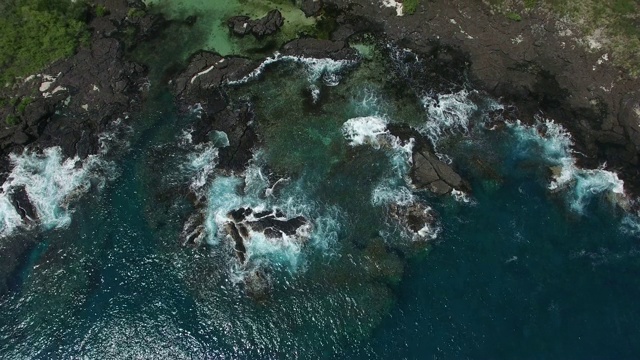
461 196
202 164
220 139
327 70
254 190
315 92
631 224
554 144
372 131
186 138
394 4
365 130
51 183
448 113
429 232
389 192
196 110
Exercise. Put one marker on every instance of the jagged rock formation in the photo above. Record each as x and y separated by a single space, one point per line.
267 25
271 223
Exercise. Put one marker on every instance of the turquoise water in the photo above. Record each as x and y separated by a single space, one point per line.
526 266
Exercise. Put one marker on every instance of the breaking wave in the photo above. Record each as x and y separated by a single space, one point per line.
553 143
253 189
448 113
326 69
51 184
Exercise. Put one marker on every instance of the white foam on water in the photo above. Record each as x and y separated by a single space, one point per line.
461 197
388 191
186 138
196 110
254 190
51 183
554 144
367 130
220 139
631 224
448 114
327 70
372 131
393 188
396 5
429 232
202 164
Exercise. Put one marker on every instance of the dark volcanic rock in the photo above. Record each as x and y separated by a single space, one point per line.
267 25
320 49
273 224
428 172
207 70
22 204
311 7
417 218
536 64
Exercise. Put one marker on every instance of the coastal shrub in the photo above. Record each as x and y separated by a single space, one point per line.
35 33
135 13
410 6
23 104
11 120
101 10
514 16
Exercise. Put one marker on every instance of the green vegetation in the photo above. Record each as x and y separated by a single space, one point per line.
35 33
23 104
101 11
11 120
410 6
135 13
514 16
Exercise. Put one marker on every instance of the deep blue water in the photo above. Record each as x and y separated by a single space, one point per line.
514 273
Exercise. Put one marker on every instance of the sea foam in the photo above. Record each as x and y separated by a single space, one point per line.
51 183
554 144
253 189
448 114
326 69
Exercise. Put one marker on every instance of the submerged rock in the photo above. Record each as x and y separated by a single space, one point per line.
417 218
267 25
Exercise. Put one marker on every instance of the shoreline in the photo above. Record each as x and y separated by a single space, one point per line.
528 65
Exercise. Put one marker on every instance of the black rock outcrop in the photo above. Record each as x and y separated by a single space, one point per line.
267 25
320 49
428 172
272 224
311 7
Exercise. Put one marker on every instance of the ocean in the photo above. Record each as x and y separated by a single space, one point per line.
537 260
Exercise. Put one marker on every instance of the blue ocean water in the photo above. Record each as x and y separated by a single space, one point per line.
532 263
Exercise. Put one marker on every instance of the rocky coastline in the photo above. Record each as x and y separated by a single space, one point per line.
529 65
